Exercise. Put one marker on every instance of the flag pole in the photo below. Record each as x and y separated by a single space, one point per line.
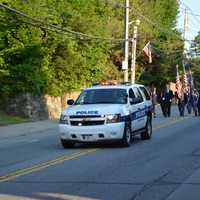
178 88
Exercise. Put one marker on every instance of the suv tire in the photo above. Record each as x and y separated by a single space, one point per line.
127 136
67 144
146 135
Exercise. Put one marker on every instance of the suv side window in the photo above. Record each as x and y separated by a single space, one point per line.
138 94
145 92
131 94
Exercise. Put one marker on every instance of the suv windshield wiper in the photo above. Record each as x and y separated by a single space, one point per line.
104 102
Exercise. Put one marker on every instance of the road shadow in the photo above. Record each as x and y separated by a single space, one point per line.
103 145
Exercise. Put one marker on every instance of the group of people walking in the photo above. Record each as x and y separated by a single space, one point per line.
190 101
184 100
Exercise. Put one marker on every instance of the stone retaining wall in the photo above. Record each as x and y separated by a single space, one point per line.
37 107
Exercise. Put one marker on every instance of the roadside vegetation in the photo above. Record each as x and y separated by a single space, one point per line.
6 119
194 63
40 59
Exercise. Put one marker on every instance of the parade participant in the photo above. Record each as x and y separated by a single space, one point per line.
188 102
161 102
194 101
153 99
198 103
181 101
167 98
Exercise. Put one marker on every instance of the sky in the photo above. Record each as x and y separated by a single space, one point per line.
193 21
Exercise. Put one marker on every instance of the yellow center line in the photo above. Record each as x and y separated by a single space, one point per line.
44 165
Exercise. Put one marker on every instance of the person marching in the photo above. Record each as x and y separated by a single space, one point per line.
180 96
188 102
181 101
161 101
153 99
198 104
194 101
167 99
193 94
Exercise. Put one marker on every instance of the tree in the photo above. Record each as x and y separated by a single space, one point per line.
167 45
36 58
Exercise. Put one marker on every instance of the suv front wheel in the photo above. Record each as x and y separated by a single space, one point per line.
127 137
67 144
146 135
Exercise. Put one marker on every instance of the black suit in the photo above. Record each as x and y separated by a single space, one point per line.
167 99
198 103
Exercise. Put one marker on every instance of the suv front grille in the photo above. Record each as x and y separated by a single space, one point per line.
84 116
87 123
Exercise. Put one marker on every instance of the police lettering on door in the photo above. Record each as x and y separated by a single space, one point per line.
140 114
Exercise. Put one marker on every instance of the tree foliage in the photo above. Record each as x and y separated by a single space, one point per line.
37 59
194 62
167 45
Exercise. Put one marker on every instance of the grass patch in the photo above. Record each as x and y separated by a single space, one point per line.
6 119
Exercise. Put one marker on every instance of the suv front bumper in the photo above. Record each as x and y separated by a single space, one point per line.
97 133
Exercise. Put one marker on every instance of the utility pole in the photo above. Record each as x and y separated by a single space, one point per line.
185 29
133 53
126 48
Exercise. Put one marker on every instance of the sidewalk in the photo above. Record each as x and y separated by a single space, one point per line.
27 128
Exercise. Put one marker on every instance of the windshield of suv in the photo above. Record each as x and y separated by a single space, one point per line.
102 96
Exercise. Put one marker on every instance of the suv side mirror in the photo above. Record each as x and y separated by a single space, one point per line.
70 102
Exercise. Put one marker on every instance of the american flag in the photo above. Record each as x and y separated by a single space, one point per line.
185 81
190 79
178 85
147 51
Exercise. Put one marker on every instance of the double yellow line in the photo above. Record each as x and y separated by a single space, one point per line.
44 165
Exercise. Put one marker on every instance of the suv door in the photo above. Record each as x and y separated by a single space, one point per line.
148 100
141 109
133 109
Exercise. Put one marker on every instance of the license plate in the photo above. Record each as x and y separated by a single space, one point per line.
87 137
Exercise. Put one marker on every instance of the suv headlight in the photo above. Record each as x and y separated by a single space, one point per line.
113 118
64 119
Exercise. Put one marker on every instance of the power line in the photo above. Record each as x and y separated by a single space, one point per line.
52 30
152 23
38 26
191 11
193 14
141 16
192 20
114 4
78 34
192 30
169 52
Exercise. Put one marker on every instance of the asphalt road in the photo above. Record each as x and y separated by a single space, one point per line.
167 167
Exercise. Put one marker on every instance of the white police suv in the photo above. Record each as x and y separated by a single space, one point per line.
107 113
